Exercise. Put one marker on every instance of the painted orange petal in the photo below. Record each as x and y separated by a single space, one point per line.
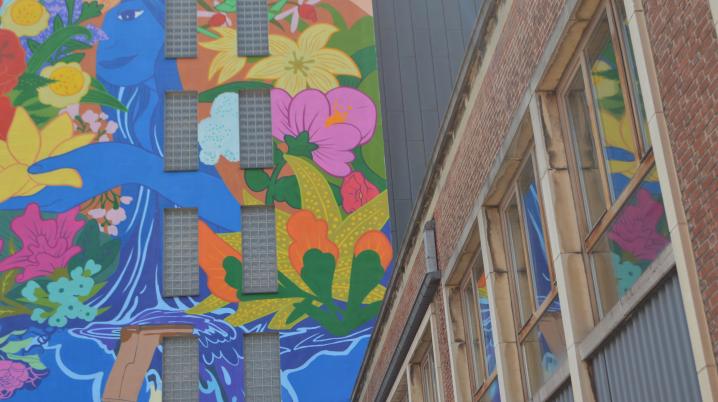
308 232
212 252
376 241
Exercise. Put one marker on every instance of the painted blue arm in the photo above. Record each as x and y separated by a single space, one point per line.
104 166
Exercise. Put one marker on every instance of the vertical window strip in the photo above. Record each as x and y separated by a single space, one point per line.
252 28
180 369
255 129
181 149
180 276
259 250
262 367
180 29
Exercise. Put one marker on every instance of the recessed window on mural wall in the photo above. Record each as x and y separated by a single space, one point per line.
625 222
82 147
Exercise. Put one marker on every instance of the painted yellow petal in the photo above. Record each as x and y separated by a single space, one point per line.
336 62
269 68
321 79
316 37
29 189
5 158
76 141
292 83
12 180
53 134
226 42
230 65
280 45
23 138
59 177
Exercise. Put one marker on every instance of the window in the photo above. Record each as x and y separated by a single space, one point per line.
180 137
477 333
180 29
429 389
255 129
252 28
624 223
535 298
180 369
261 367
259 250
180 276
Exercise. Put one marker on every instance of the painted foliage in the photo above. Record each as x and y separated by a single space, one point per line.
82 194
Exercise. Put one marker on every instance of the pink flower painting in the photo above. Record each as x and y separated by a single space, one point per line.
356 191
46 244
13 376
335 122
636 228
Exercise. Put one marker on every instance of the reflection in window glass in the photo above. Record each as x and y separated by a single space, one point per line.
492 394
538 257
473 334
616 125
633 73
544 348
485 314
585 151
518 261
428 377
638 234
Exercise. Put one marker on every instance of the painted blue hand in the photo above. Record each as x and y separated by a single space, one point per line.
104 166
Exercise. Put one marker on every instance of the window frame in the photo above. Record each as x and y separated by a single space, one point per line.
468 283
591 234
523 329
428 373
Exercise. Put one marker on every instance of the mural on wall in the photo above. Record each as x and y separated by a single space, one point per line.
82 193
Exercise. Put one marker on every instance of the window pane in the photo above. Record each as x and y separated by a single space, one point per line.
633 77
492 394
585 150
633 241
252 28
616 125
180 268
180 28
428 378
523 292
259 249
180 369
533 227
485 316
262 367
180 138
544 348
472 335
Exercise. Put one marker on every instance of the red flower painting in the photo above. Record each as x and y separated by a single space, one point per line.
356 191
12 60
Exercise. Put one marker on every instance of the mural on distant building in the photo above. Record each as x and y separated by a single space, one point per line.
82 190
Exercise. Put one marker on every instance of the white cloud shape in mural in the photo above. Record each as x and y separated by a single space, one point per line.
219 133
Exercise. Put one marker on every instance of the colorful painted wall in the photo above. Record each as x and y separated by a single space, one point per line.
82 194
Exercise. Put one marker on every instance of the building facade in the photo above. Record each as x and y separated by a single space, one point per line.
193 199
562 245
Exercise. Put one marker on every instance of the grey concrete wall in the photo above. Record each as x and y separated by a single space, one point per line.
421 45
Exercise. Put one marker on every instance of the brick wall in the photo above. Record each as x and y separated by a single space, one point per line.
685 48
507 78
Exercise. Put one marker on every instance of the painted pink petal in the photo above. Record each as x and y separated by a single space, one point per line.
359 110
340 137
308 111
334 162
27 225
280 114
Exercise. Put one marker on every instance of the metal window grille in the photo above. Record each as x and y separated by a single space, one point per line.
255 129
252 28
180 29
180 369
261 368
180 148
259 250
181 270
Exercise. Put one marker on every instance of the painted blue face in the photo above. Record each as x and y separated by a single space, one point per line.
135 41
